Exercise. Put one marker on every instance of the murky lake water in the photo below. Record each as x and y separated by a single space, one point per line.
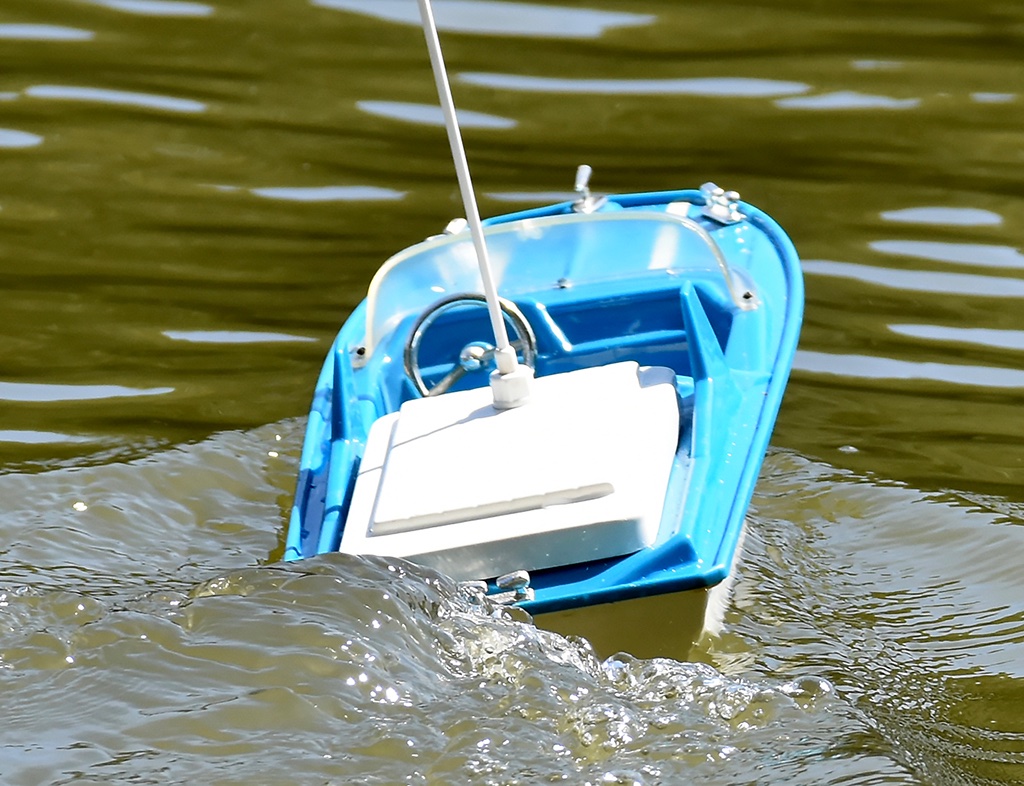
195 194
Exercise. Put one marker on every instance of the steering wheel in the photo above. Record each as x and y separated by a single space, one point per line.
474 355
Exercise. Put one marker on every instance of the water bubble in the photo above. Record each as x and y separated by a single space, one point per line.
808 690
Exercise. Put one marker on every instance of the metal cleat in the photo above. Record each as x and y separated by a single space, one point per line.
721 205
456 225
587 203
513 588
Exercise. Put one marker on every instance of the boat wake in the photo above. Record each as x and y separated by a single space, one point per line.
137 645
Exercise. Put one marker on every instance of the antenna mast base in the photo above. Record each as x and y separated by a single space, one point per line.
512 389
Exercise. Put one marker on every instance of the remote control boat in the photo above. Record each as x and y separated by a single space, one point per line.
569 404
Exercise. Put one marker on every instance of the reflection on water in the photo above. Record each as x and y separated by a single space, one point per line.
172 8
328 193
876 65
920 280
33 391
10 138
847 99
428 114
116 97
40 437
497 17
532 197
867 367
944 216
1002 339
993 98
30 32
727 87
962 253
232 337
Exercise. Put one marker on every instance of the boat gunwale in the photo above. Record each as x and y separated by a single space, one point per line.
712 569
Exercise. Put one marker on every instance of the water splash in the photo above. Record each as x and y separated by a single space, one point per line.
377 672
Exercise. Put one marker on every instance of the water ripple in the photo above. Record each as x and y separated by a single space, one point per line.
329 193
876 65
909 602
993 98
532 197
847 99
232 337
944 216
497 18
874 367
30 391
30 32
116 97
961 253
998 339
23 437
160 523
726 87
919 280
428 114
10 138
171 8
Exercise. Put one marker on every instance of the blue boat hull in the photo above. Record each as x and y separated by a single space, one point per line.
725 319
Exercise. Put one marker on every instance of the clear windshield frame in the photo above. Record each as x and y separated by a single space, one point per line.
542 253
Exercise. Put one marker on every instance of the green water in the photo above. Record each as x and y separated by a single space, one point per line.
193 195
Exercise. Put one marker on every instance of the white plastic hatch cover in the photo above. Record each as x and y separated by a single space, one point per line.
579 473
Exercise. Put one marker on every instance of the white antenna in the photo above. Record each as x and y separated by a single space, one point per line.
511 382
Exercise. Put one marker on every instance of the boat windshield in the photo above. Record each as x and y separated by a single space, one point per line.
538 254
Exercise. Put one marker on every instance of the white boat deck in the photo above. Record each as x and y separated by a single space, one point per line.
578 473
